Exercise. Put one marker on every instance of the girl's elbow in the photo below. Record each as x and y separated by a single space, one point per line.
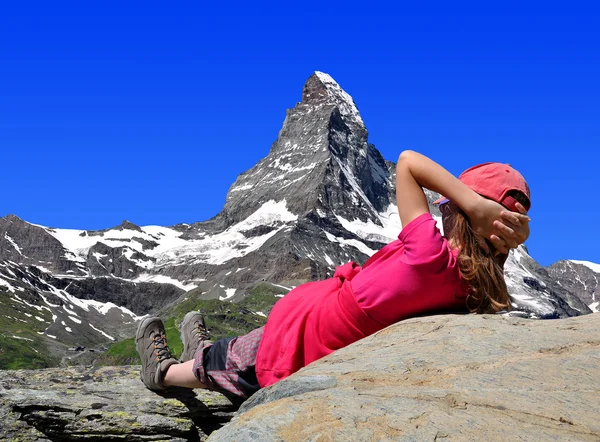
404 161
405 156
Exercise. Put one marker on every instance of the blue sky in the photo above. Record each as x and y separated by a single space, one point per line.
148 112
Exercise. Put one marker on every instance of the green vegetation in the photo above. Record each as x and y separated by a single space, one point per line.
16 354
224 319
21 347
120 353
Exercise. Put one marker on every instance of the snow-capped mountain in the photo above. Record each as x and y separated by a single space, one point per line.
321 163
321 197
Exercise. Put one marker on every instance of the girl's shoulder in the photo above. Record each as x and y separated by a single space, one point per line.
420 242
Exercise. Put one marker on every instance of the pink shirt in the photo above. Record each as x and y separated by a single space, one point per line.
416 274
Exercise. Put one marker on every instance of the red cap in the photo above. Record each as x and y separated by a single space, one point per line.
495 181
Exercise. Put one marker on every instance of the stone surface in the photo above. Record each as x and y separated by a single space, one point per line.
440 378
103 404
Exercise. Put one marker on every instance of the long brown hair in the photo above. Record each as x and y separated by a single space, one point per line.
483 270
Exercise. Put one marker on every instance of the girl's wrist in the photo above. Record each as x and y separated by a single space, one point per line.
470 202
476 202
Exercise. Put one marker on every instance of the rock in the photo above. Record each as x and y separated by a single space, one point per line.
579 279
473 377
110 403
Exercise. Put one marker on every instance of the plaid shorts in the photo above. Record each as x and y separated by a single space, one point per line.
228 365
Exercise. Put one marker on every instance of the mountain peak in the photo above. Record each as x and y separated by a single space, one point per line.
12 218
321 88
127 225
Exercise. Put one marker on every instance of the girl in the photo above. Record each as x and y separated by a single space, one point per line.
423 272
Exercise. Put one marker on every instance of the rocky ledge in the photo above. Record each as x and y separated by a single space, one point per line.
475 377
458 378
109 403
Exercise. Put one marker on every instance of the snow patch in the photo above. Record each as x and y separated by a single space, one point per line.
37 307
85 304
12 242
350 242
69 311
228 294
48 303
282 286
20 337
7 285
345 101
590 265
162 279
102 333
43 269
232 243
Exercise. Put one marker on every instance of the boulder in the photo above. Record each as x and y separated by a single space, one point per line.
473 377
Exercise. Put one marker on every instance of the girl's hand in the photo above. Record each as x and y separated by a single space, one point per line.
514 227
504 229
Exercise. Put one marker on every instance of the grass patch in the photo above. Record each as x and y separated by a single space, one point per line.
18 354
120 353
20 345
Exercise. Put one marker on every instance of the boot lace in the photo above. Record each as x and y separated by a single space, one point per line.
201 331
161 349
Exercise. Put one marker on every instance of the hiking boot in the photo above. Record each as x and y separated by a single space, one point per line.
193 334
151 344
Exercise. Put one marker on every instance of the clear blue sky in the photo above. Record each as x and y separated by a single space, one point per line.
147 111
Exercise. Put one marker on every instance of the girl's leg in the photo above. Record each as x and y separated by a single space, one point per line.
182 375
159 368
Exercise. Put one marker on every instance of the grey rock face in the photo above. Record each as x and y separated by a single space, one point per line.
140 298
475 377
103 260
29 244
535 293
578 279
103 404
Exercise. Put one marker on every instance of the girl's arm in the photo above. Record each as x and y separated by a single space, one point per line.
488 218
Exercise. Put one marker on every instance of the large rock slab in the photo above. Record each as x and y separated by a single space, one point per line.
440 378
105 404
